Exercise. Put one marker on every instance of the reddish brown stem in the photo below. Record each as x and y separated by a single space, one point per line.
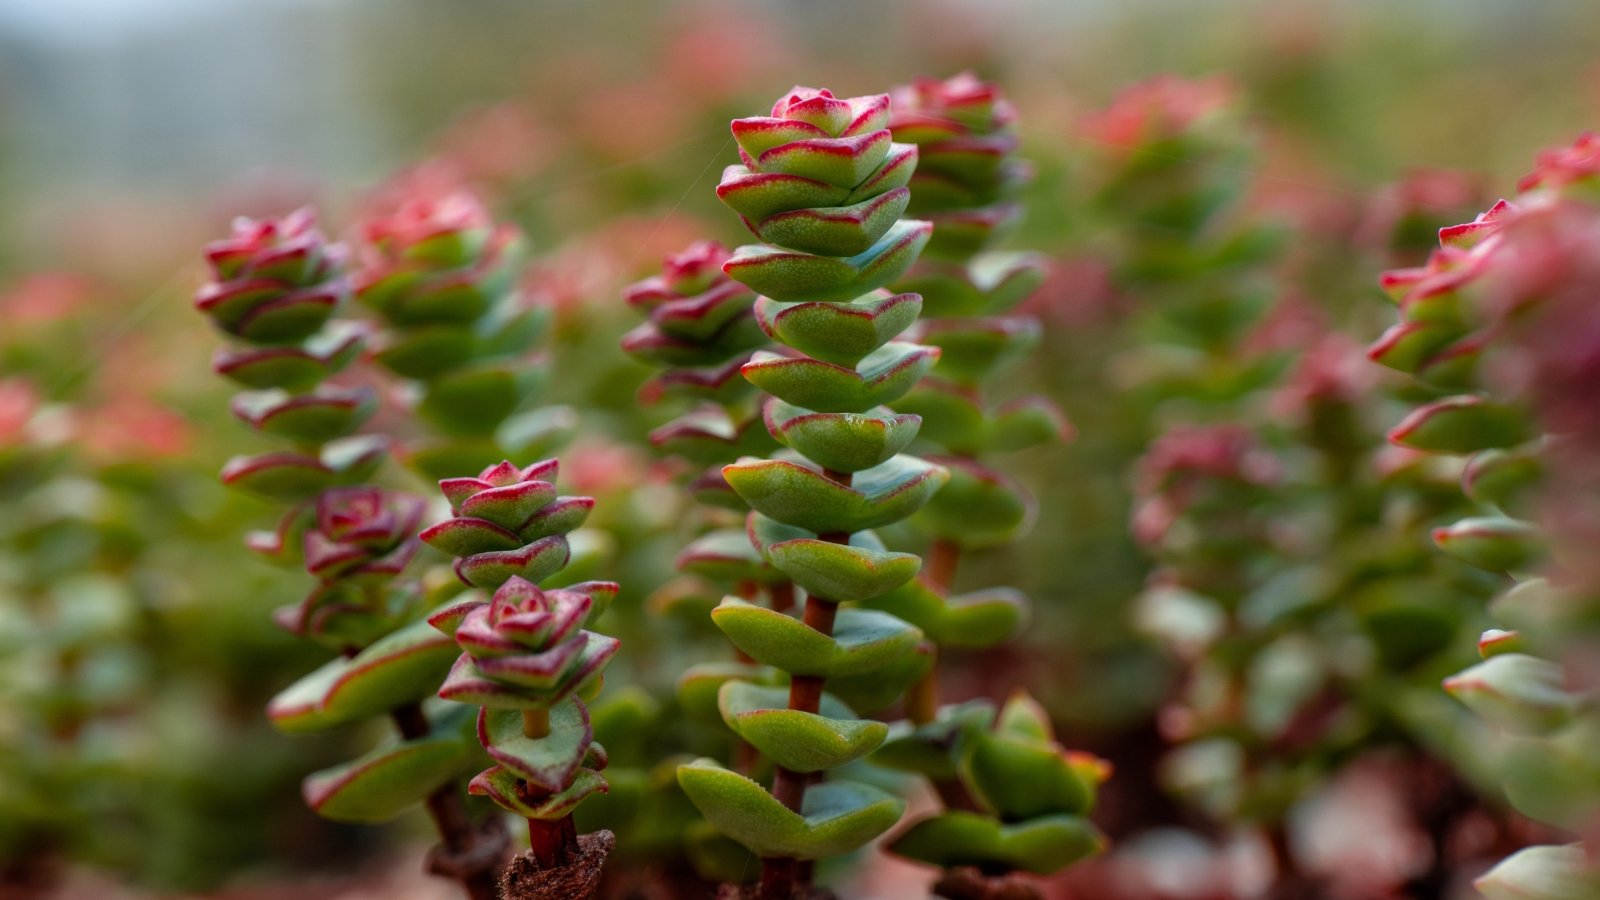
944 555
922 700
553 843
782 595
783 878
449 814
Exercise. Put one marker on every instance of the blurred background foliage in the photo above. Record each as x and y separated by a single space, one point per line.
135 649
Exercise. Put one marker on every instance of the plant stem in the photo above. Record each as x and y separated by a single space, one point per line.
783 878
536 723
782 595
553 843
461 840
944 555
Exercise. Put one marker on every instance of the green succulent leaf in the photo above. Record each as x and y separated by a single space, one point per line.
992 284
882 376
1495 543
1020 778
297 476
476 400
974 349
1501 477
933 749
727 556
405 666
387 781
978 508
550 762
839 333
1464 424
976 620
701 684
798 741
841 442
837 816
428 352
806 498
1541 873
840 572
501 785
835 230
792 277
1042 845
873 692
1516 691
862 641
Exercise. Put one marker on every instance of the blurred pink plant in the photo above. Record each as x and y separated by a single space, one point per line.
1160 109
19 400
496 144
45 297
1180 464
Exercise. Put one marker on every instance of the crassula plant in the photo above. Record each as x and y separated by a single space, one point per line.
966 180
441 275
1499 329
823 182
700 331
529 664
276 288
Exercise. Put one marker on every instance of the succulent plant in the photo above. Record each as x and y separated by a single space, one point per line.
1498 329
276 290
701 331
441 275
527 660
822 177
966 177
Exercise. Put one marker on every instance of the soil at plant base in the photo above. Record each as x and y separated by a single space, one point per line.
753 892
970 884
579 879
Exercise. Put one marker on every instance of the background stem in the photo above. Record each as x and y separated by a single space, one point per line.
449 813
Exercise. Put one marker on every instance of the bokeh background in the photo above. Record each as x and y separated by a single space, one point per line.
135 650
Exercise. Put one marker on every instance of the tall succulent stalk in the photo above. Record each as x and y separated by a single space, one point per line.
1498 327
528 662
822 182
277 286
966 175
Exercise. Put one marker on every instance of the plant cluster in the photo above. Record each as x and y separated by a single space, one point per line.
1498 328
820 660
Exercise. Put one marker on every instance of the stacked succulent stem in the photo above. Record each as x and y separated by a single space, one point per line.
700 332
1275 700
277 286
1499 329
527 660
823 183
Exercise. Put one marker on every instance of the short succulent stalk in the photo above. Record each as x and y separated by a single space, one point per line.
966 179
823 183
277 288
528 662
1498 325
441 275
700 331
